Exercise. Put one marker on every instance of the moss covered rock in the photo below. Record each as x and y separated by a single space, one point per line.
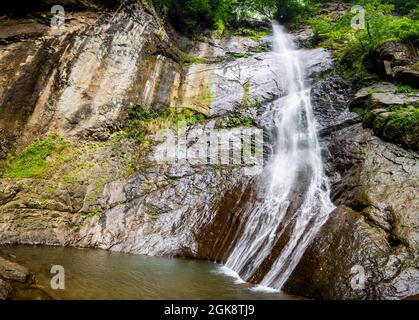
391 111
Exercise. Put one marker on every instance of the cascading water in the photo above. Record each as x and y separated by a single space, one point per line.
295 196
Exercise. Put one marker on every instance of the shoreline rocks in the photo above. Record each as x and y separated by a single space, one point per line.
12 276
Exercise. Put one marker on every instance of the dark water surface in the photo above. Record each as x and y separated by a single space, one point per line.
97 274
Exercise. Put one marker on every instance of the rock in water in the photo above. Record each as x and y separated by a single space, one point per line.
13 271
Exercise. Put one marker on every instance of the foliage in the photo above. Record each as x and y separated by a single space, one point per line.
34 160
351 45
255 34
188 59
404 6
404 88
93 212
238 54
190 16
145 121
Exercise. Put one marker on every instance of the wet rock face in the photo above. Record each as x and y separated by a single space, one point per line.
83 77
374 185
352 260
379 180
240 71
160 210
6 143
161 221
375 227
330 98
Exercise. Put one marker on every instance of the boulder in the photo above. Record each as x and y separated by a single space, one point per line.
382 94
407 76
374 231
13 271
394 60
393 116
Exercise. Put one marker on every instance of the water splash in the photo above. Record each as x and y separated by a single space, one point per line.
295 199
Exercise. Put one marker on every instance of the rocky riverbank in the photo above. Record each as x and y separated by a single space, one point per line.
17 283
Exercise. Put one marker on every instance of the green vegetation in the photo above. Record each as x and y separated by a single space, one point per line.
191 16
93 212
145 121
399 123
234 120
401 126
255 33
238 54
188 59
94 194
171 181
403 88
352 46
385 20
264 47
70 180
246 94
152 212
405 120
35 160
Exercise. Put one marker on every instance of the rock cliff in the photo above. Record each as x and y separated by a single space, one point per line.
73 89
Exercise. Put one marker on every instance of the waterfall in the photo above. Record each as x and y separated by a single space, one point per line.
294 199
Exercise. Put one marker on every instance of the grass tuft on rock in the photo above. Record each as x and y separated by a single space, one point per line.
145 121
35 160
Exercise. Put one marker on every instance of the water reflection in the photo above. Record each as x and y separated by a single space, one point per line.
97 274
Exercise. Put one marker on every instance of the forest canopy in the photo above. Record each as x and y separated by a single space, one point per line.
193 15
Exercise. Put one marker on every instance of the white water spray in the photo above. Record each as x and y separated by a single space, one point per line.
295 197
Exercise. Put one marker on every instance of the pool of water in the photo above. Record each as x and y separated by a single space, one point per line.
97 274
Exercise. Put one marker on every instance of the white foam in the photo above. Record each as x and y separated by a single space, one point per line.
230 273
260 288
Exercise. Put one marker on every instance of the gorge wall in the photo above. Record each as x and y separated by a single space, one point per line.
103 189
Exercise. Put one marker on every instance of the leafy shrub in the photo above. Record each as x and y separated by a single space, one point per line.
352 46
145 121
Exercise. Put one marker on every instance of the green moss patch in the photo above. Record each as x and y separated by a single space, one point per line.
254 34
238 55
187 59
400 124
35 160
